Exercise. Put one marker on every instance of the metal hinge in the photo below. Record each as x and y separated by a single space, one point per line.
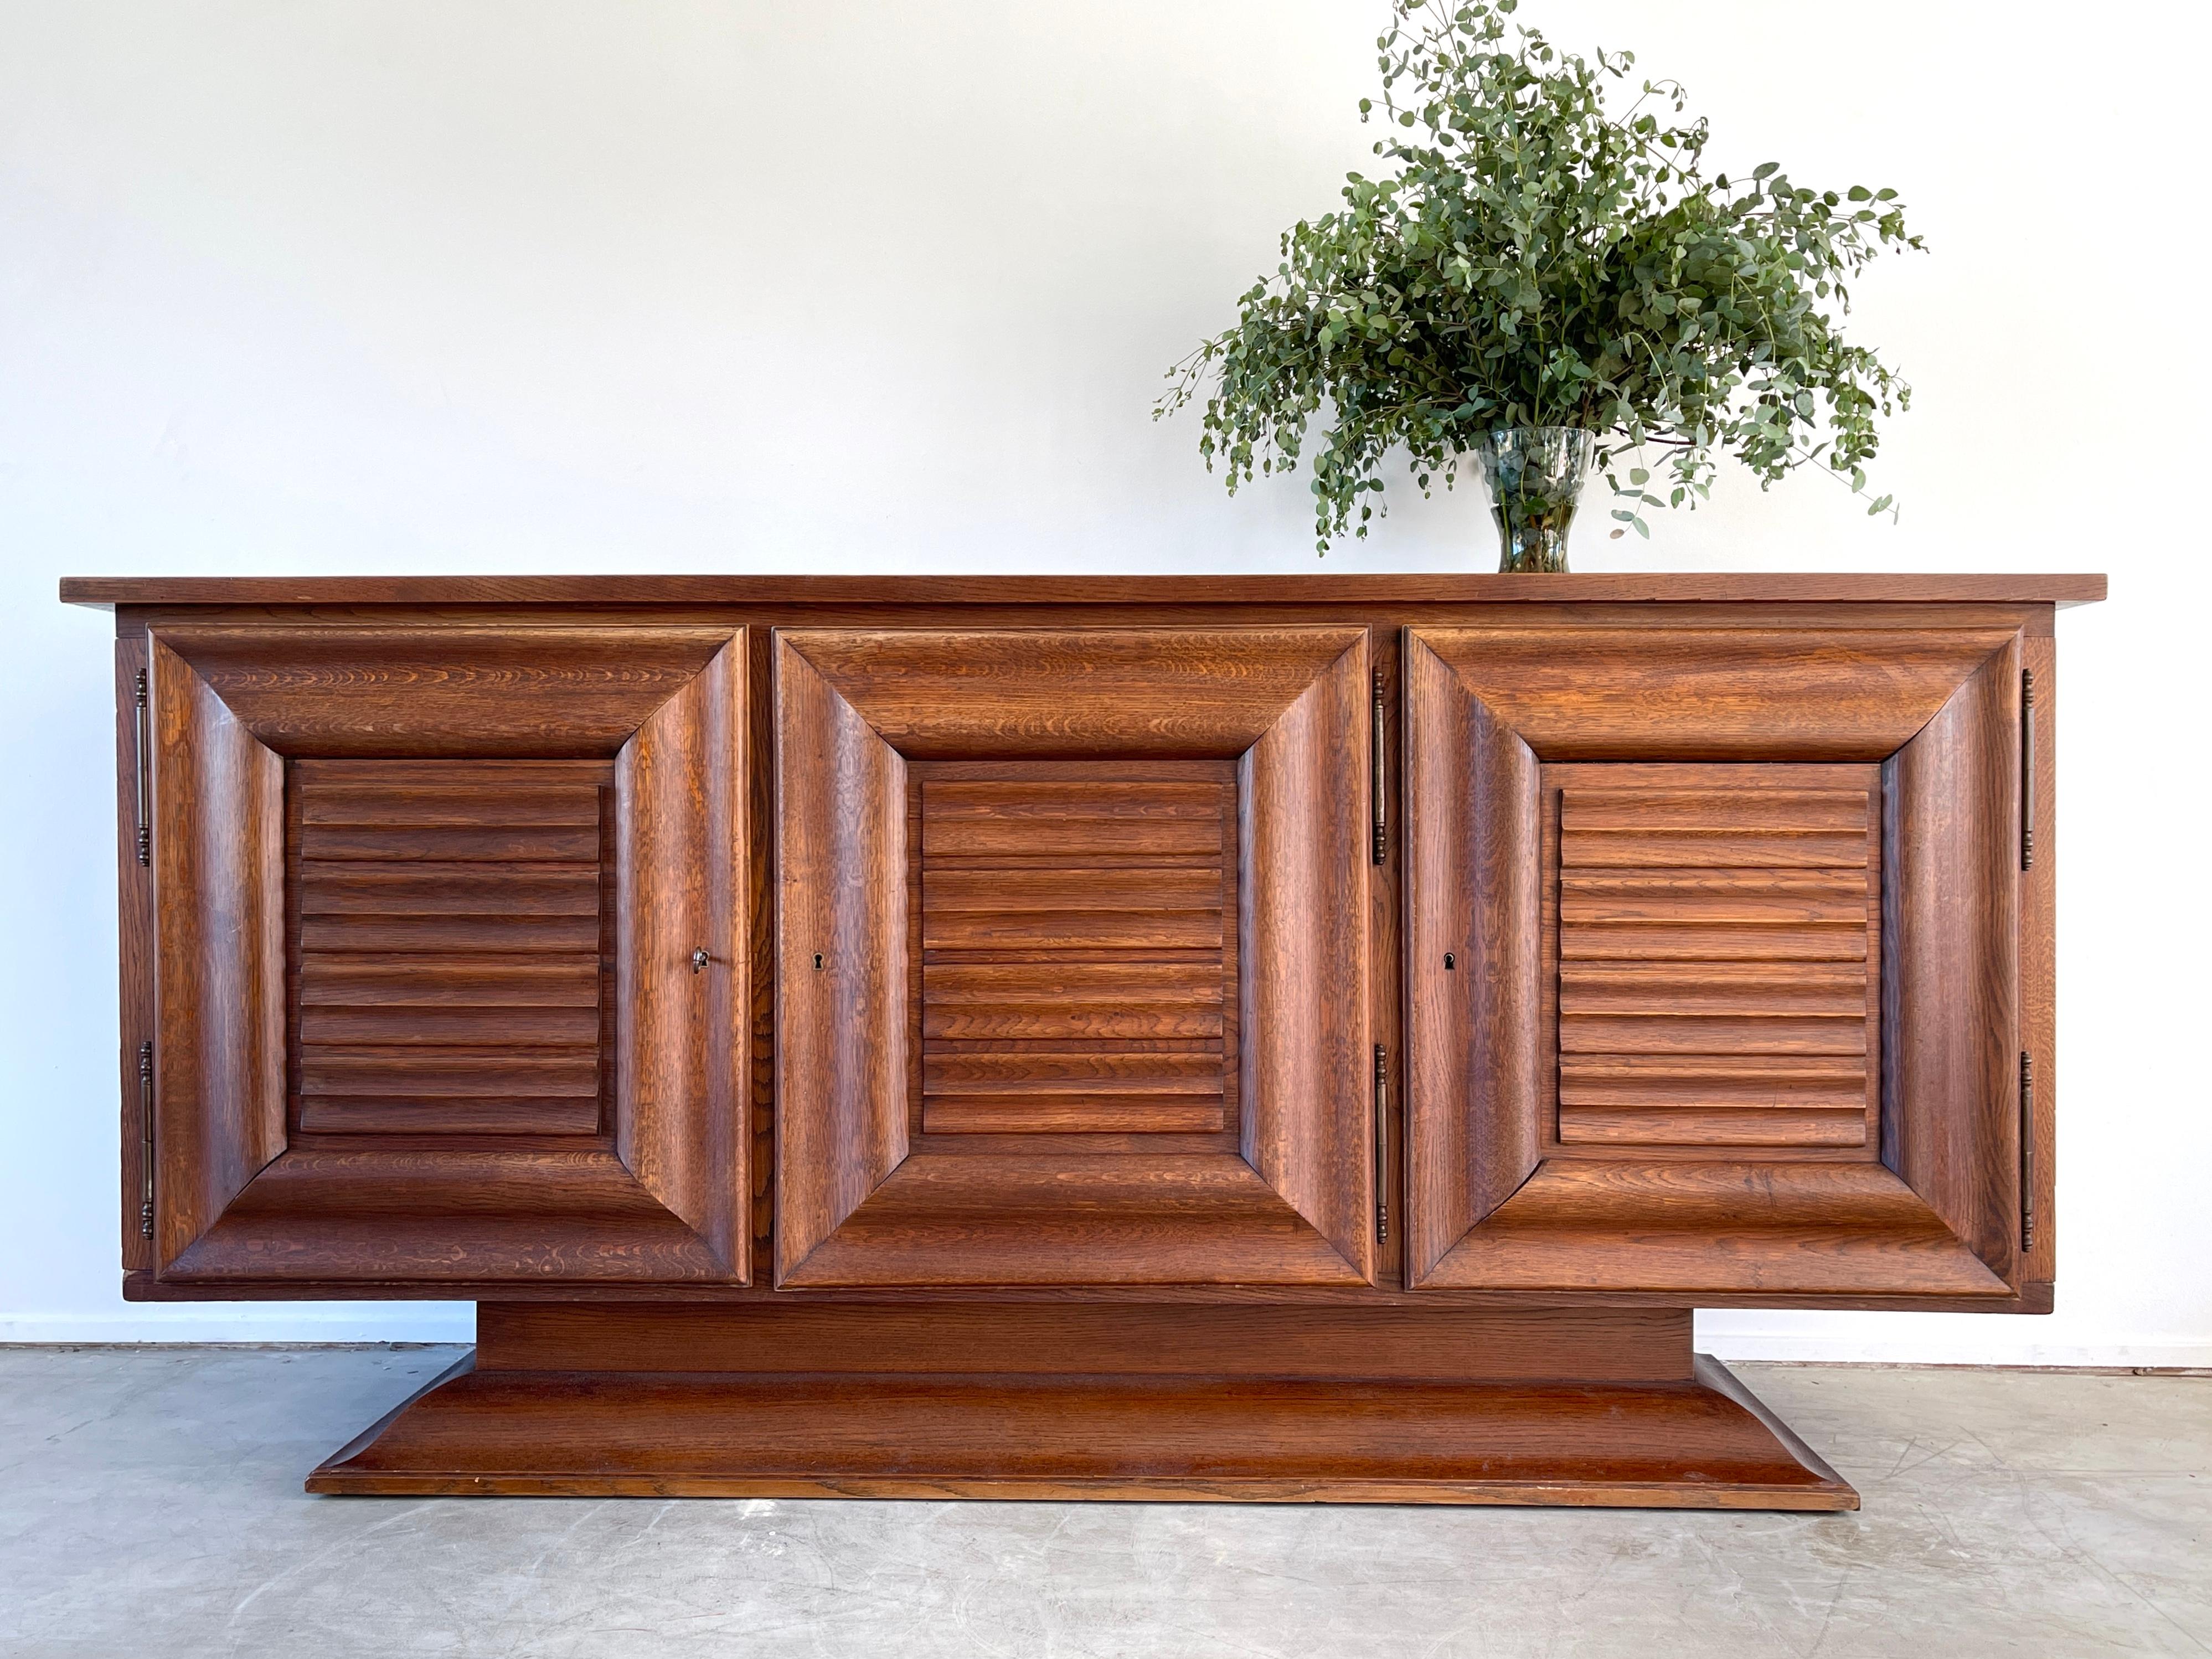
2027 1152
146 1140
145 818
1381 1142
2026 769
1378 783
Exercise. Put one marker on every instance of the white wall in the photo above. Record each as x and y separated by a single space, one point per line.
872 285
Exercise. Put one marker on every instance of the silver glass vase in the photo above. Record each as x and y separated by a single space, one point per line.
1534 475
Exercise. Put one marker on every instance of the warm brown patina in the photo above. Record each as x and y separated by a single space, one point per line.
1001 1037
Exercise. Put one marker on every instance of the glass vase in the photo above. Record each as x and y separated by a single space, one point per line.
1535 474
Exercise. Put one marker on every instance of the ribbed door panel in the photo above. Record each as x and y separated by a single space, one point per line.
1077 937
450 946
1717 946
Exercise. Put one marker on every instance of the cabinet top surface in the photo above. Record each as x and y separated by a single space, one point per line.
1606 587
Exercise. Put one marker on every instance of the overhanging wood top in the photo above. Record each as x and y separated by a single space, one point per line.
1605 588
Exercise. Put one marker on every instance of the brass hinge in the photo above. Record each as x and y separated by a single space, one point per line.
2026 769
145 818
146 1140
2027 1152
1377 782
1381 1142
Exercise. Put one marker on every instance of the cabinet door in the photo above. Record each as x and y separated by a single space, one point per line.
1072 955
1711 960
427 901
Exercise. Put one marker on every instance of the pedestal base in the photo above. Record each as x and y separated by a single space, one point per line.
1280 1414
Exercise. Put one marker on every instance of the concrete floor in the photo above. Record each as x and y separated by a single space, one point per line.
150 1506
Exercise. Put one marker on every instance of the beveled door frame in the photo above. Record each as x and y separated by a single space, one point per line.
1484 707
659 1200
857 1205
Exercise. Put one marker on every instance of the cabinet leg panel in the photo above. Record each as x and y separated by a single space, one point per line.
1704 1443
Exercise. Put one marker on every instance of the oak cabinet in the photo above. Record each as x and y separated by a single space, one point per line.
1291 1038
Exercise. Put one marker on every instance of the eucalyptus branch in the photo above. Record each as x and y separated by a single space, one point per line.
1533 256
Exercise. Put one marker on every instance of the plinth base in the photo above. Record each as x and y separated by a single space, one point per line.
781 1423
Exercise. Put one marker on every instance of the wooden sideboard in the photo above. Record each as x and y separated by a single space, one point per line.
1277 1038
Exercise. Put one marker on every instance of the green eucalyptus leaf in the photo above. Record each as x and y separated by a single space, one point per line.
1536 257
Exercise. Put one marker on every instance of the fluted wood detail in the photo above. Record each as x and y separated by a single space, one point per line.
450 959
1078 952
1719 950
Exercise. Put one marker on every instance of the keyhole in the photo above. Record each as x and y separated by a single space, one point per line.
699 961
1448 963
818 962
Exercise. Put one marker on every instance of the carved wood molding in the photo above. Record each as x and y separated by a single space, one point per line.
657 1193
1498 1202
866 1197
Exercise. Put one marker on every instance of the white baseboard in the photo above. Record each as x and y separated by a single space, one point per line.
2188 1356
225 1322
1736 1336
1727 1336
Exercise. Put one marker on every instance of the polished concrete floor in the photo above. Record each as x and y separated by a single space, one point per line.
150 1506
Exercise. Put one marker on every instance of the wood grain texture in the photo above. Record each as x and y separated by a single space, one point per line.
1092 1338
504 1113
1066 693
1702 1444
337 1220
2032 1297
2039 1010
341 1208
1385 944
452 1154
135 958
218 853
1473 881
1054 1218
1469 589
1308 1126
681 962
432 1039
1179 1000
841 1049
1600 1209
458 689
761 912
1601 694
1005 823
1951 993
1079 956
1690 1227
1138 1086
1046 1003
1719 945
